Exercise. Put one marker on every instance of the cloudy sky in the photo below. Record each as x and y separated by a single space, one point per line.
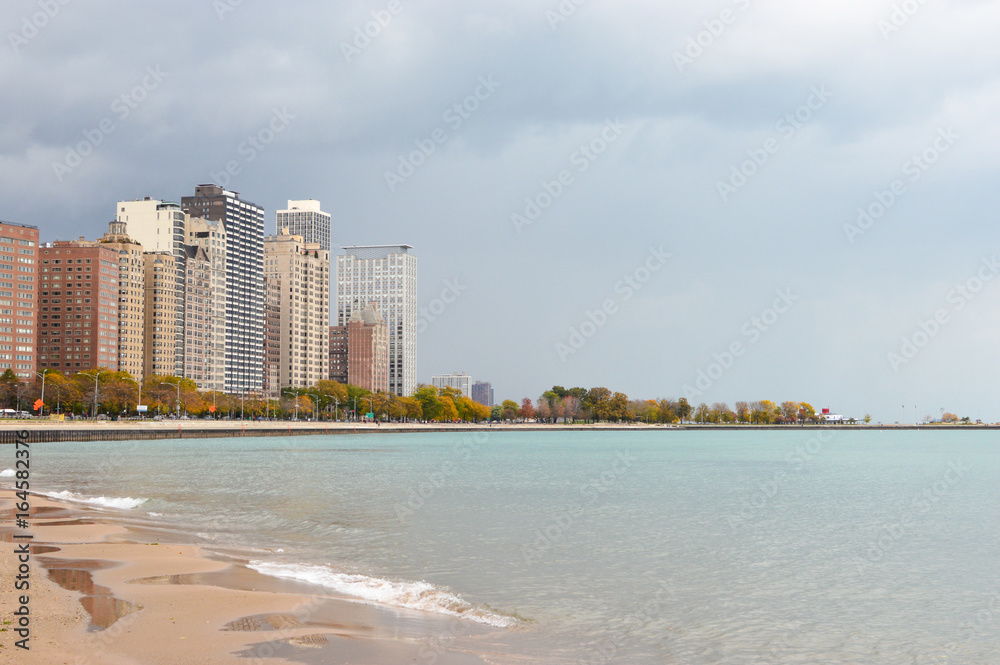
734 199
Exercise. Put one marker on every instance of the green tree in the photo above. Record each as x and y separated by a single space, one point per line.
508 409
334 389
9 384
619 408
599 403
683 409
430 404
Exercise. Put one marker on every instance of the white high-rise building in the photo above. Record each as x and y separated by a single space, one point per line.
457 381
159 226
304 218
156 225
387 276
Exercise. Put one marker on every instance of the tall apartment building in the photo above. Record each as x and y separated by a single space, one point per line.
272 337
78 307
301 272
19 297
362 350
159 226
482 392
156 225
244 227
338 354
387 276
210 236
461 382
197 314
131 298
306 219
160 330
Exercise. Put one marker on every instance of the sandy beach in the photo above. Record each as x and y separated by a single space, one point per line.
104 593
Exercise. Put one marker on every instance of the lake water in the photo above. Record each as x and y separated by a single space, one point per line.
686 547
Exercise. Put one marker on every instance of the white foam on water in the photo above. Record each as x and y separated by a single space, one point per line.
410 595
7 473
119 502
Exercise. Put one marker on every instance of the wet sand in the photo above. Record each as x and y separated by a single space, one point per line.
102 593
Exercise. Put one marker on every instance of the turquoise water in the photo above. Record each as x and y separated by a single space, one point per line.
599 547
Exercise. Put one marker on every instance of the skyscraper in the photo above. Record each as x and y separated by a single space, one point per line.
304 218
78 315
482 392
19 280
131 298
339 338
159 226
462 382
387 276
160 330
244 226
198 306
301 272
210 235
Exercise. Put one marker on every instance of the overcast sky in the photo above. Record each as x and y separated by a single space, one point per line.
739 137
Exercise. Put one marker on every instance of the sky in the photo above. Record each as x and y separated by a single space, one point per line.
724 200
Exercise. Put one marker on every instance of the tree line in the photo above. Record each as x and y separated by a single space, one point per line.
114 393
602 405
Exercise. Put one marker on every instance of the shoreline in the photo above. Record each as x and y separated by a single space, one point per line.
110 593
86 430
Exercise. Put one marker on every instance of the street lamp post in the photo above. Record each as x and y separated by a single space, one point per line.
355 409
138 401
20 391
178 386
96 377
336 412
41 411
371 405
292 392
315 397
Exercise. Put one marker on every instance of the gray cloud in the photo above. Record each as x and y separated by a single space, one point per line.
354 117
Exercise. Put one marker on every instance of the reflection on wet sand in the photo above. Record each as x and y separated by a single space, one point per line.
75 575
43 549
